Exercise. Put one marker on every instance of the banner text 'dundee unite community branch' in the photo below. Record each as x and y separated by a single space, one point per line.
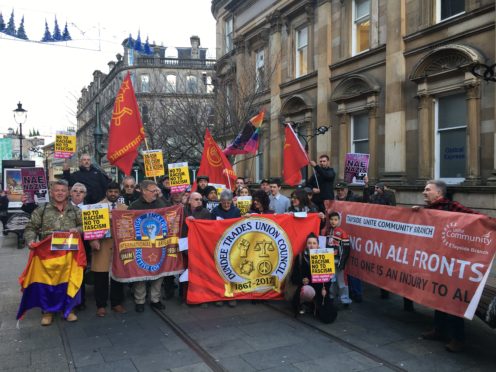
435 258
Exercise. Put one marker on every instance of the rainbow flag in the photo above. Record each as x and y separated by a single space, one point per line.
247 141
52 278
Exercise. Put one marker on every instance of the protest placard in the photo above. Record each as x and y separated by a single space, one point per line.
96 221
356 167
34 185
243 203
65 145
64 241
178 176
322 265
154 163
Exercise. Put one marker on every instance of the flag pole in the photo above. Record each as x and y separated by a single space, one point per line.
151 165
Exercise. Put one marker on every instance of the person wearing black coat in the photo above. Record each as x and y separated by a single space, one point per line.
301 276
4 210
94 179
322 181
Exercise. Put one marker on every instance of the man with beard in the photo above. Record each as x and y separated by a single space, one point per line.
102 258
201 186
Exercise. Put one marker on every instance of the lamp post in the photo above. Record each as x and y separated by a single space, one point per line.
20 116
98 134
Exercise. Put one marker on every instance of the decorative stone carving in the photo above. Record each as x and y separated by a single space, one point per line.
445 59
354 86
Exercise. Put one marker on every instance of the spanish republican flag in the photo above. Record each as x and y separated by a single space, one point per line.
215 165
294 157
52 279
244 258
126 129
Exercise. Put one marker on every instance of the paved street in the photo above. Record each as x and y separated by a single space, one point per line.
373 336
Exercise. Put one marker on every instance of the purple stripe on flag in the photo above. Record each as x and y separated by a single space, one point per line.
50 298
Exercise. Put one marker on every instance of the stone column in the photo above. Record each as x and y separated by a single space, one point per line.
276 129
323 53
425 136
473 134
395 122
344 127
372 174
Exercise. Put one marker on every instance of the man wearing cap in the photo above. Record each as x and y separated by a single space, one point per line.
342 193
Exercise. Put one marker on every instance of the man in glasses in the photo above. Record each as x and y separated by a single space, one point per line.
149 199
129 193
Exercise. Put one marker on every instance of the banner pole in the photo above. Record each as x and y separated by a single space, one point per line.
147 149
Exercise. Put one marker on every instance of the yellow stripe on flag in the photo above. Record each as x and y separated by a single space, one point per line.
55 271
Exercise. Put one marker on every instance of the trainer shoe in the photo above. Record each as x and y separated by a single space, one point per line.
232 303
139 308
219 303
46 319
101 312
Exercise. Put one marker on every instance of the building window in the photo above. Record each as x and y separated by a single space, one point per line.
171 84
191 84
145 83
449 8
228 31
360 133
260 69
301 52
130 57
451 138
361 26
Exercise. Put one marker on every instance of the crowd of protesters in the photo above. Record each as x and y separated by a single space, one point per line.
90 185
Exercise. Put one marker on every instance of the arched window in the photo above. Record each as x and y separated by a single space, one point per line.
170 84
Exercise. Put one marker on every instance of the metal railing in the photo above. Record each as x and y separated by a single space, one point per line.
177 62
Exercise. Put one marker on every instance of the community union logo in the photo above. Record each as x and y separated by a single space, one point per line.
253 255
151 229
456 238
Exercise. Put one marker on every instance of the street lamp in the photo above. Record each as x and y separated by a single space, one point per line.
98 134
20 116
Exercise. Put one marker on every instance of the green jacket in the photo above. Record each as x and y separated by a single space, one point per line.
47 219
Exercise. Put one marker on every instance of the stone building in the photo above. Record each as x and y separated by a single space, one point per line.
163 77
393 79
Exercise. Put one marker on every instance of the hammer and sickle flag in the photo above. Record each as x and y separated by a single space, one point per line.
126 129
215 165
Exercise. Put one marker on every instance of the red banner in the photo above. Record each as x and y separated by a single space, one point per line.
146 243
436 258
244 258
126 129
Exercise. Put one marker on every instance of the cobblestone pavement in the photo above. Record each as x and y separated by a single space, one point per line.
375 335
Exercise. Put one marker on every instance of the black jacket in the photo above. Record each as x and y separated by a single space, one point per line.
94 179
141 204
200 213
325 182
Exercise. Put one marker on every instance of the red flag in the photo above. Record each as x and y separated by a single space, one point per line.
295 157
215 165
244 258
126 129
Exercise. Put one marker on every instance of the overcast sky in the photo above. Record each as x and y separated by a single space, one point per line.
48 79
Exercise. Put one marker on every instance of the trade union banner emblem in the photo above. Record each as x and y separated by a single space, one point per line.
146 243
247 258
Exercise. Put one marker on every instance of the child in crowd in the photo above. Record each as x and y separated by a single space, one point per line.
313 295
338 239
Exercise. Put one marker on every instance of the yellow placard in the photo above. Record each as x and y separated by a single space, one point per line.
95 217
243 203
178 176
322 265
154 163
65 144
